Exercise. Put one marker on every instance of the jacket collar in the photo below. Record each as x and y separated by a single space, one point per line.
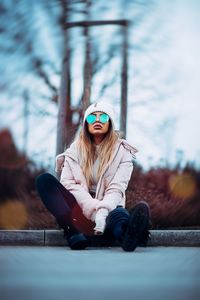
72 151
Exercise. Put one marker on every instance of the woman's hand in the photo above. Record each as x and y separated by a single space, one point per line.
100 220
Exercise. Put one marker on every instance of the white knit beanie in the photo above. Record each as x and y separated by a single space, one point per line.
103 107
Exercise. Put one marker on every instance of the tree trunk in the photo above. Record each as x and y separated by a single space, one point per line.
64 103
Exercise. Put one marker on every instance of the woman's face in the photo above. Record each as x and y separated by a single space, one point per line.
97 128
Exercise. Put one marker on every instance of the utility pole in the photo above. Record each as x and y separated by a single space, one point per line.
87 76
65 110
124 72
124 80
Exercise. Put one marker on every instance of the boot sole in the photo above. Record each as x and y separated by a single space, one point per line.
138 222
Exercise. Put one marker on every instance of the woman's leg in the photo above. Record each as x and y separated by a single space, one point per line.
62 205
58 200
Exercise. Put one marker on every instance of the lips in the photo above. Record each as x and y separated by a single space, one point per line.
97 126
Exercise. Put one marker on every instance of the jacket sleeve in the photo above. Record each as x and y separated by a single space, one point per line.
83 197
115 192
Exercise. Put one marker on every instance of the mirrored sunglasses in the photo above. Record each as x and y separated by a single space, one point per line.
103 118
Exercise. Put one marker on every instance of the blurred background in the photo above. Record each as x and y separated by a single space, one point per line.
163 71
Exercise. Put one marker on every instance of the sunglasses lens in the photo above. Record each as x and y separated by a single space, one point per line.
91 119
104 118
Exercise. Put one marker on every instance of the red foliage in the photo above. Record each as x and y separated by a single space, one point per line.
173 195
17 184
169 207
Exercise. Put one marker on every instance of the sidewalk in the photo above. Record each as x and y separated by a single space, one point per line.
188 238
58 273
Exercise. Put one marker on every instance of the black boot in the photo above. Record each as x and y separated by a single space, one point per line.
75 239
137 229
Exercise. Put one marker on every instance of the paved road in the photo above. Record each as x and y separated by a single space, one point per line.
47 273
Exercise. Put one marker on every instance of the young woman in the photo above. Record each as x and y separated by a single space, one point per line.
90 197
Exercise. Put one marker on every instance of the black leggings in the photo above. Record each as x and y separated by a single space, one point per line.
64 207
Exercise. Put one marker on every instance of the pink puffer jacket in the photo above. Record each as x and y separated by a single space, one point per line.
111 186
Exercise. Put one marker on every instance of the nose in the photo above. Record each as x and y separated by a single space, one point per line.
98 118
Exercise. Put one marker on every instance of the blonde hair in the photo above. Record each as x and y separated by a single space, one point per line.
86 148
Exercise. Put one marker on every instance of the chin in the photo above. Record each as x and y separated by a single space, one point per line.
98 131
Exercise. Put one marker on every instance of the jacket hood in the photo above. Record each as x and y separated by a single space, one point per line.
130 148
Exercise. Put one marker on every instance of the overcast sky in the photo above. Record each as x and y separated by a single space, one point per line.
180 113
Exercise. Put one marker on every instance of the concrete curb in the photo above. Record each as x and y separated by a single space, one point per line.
47 237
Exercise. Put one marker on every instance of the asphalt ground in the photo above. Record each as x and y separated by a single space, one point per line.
32 272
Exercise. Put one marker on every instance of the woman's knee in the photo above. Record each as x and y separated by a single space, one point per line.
119 210
119 214
43 179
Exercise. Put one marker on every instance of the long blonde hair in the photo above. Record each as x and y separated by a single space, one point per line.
86 148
